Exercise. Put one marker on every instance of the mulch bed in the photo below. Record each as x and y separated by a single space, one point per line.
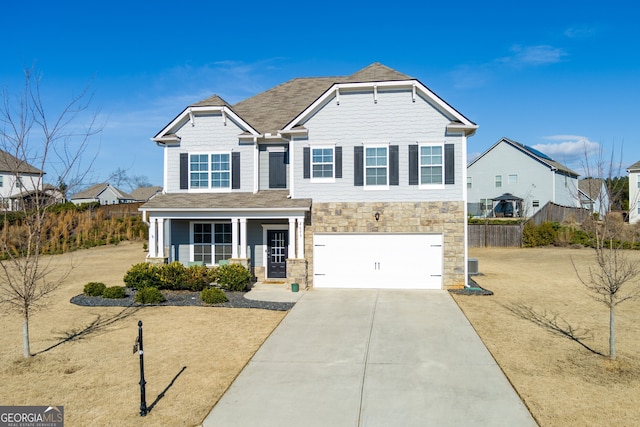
181 298
472 289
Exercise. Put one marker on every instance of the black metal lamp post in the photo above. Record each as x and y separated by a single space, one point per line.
138 347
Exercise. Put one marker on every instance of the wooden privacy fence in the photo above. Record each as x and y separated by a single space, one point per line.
557 213
498 235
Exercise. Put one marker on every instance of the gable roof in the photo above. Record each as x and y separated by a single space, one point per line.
634 167
95 190
12 164
283 106
532 153
591 187
145 193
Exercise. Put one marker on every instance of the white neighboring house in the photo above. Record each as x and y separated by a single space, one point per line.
594 196
104 193
511 167
17 179
634 192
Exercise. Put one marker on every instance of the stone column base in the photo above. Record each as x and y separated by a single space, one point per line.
297 272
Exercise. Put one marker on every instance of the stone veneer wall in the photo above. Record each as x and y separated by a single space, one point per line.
446 218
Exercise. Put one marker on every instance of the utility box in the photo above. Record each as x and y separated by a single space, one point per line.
472 266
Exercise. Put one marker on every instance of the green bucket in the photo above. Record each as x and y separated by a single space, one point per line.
295 287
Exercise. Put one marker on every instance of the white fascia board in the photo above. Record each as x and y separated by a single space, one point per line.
278 213
189 111
439 102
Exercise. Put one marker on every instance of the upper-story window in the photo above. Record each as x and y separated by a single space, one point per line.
1 181
322 162
513 178
376 166
638 181
431 164
210 171
498 181
469 182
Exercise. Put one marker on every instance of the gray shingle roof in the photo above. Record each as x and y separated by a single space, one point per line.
271 110
541 157
95 190
12 164
591 187
144 193
272 199
634 167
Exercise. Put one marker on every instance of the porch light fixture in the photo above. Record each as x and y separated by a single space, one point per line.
377 216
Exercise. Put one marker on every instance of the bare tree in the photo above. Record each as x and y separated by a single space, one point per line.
120 178
33 141
613 277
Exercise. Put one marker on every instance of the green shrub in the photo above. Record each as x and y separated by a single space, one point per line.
114 292
233 277
149 295
213 296
172 276
94 289
197 278
142 275
543 235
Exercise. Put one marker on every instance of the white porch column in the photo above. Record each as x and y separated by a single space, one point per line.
153 243
234 237
243 237
160 237
300 222
292 238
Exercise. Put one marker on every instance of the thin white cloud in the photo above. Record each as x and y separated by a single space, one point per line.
580 32
533 55
575 151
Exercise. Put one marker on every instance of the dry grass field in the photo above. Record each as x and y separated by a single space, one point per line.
96 377
561 382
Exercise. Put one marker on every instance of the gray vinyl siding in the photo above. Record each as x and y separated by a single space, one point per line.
395 119
264 164
209 134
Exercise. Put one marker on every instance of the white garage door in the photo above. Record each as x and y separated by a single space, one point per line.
398 261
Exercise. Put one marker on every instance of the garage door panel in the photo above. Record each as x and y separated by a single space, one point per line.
401 261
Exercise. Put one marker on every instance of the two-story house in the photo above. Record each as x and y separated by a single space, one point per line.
354 181
523 173
18 180
634 192
103 193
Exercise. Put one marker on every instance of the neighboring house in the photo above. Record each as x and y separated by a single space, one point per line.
104 193
594 196
17 179
634 192
354 181
524 172
143 194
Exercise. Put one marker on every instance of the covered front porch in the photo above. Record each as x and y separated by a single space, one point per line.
263 231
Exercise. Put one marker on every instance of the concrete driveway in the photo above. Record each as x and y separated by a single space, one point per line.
372 358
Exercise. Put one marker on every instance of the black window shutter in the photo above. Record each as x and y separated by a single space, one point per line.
306 162
449 164
413 164
394 178
277 170
358 158
338 157
235 170
184 171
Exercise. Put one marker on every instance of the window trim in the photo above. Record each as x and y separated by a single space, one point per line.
439 186
512 178
322 146
375 144
469 182
496 181
209 188
192 243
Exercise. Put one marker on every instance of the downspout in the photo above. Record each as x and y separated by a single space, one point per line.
256 172
553 186
465 209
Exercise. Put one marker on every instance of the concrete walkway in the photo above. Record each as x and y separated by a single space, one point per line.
371 358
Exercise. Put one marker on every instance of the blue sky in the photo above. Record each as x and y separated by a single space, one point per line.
559 76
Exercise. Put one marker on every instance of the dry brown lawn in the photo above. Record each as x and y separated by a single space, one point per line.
561 382
96 378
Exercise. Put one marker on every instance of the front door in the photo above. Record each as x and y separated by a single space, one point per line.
277 242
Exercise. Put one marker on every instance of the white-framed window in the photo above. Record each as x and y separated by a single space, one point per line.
1 181
210 171
498 181
536 203
431 165
211 242
322 163
513 178
469 182
376 166
638 181
486 205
